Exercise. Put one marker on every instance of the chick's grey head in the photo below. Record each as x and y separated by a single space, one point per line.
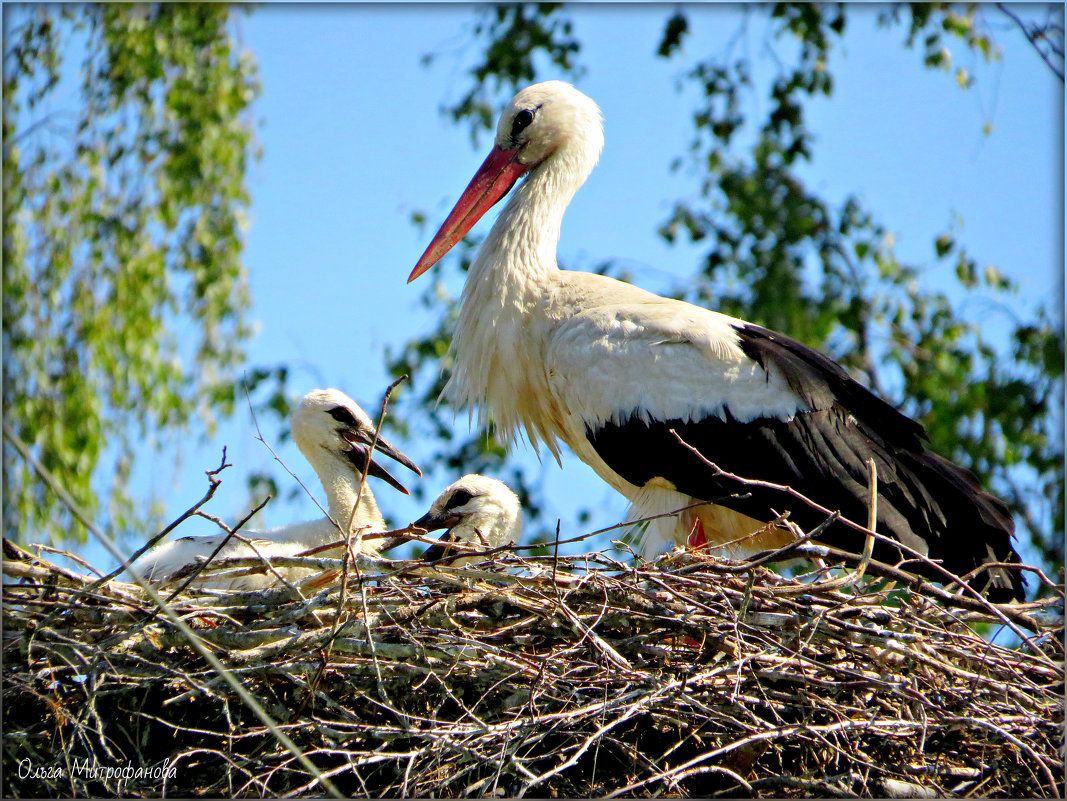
477 511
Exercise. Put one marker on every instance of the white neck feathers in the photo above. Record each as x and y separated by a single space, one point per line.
497 346
341 483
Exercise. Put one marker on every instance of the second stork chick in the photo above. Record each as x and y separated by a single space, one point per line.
478 512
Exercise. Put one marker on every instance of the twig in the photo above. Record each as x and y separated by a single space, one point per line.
1032 39
345 560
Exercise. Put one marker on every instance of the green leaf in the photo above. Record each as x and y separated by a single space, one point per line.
147 198
675 30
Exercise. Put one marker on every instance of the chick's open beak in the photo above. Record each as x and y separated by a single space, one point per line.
358 456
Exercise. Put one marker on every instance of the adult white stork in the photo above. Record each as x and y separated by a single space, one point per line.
612 370
476 511
335 436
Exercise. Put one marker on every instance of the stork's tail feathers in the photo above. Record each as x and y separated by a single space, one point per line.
986 518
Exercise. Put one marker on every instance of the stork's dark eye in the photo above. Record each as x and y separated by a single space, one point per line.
344 416
458 499
522 119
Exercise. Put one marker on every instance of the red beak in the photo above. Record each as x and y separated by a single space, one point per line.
494 178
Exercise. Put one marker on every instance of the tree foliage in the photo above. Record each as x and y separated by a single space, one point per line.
781 255
124 294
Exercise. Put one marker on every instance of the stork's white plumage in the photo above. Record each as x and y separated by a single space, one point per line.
335 435
477 511
613 370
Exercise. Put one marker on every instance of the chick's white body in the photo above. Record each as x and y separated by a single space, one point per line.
333 433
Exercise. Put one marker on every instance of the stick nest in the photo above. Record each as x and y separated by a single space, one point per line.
571 677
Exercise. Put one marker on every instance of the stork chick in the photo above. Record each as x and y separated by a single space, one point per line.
477 511
335 435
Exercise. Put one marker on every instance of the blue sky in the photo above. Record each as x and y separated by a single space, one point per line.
353 143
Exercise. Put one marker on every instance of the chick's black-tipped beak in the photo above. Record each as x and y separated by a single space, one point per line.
358 456
382 446
431 522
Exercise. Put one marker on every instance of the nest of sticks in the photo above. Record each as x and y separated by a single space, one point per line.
530 675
